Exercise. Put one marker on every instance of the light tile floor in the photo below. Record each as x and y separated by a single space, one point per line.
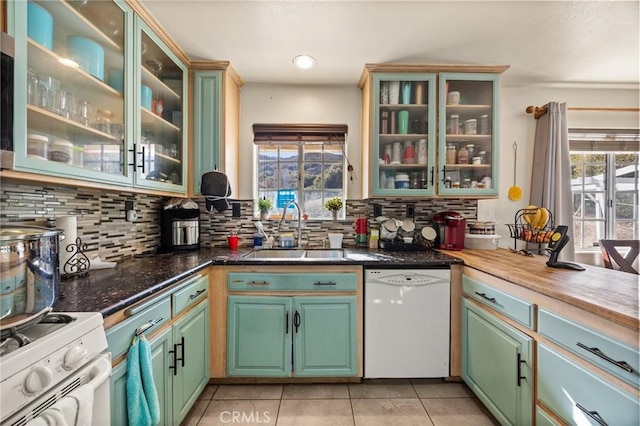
431 402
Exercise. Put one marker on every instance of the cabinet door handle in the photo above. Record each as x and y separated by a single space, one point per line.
286 324
133 154
519 372
198 293
597 352
443 171
325 283
484 296
296 320
142 156
181 358
174 367
257 283
433 171
593 414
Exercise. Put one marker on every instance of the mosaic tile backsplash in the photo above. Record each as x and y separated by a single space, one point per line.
103 227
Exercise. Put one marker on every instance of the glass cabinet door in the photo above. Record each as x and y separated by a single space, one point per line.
403 152
160 148
468 134
70 107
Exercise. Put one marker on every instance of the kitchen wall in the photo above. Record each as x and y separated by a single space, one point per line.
279 103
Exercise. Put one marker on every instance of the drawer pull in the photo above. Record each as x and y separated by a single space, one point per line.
593 414
257 283
296 320
325 283
597 352
198 293
144 327
484 296
174 367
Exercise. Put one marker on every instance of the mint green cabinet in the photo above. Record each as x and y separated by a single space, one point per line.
191 373
325 340
207 127
264 332
105 101
161 344
579 396
468 134
497 365
403 133
259 333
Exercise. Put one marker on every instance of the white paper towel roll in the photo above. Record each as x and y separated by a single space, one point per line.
69 224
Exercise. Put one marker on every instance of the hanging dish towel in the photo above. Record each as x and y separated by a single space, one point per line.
143 407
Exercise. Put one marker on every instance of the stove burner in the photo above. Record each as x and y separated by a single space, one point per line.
13 342
54 318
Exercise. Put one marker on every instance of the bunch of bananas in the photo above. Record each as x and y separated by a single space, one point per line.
536 217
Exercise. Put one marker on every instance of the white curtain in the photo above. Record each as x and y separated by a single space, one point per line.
551 176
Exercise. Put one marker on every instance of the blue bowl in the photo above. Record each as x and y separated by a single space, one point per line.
146 95
88 54
39 25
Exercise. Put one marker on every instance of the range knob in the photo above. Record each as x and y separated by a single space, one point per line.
37 379
73 357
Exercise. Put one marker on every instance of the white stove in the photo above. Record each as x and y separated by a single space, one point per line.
45 362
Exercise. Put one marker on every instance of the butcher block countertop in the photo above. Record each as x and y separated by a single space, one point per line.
606 292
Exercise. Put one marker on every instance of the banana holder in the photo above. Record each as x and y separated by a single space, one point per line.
532 225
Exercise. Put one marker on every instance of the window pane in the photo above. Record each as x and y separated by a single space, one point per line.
593 232
288 175
313 204
333 176
594 205
312 178
312 153
629 158
625 231
333 154
626 203
267 153
288 153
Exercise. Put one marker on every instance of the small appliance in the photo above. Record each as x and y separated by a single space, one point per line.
361 228
450 230
180 229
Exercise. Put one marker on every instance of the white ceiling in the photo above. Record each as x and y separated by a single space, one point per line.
567 43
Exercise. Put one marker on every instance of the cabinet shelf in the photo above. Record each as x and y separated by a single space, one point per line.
467 166
53 124
151 121
468 138
168 158
395 107
75 23
407 167
392 137
47 62
158 86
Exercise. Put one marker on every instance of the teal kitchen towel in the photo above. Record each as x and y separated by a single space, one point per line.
143 407
149 386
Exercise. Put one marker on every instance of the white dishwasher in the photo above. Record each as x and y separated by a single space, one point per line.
406 323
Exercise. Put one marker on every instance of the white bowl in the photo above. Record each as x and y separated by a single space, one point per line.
481 242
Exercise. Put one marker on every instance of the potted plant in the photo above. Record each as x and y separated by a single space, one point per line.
264 205
334 205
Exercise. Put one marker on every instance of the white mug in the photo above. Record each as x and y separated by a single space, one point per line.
453 98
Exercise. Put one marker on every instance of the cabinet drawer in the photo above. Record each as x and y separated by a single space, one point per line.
292 282
580 397
511 306
190 294
611 355
120 335
544 419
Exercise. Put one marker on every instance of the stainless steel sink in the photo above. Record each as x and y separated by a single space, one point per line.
275 254
296 254
324 254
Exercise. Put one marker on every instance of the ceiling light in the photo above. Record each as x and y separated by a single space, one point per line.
304 62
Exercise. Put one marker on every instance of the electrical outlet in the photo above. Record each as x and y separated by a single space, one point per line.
410 210
377 210
235 212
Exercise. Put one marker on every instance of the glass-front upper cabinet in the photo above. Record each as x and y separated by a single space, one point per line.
160 147
71 103
468 134
403 134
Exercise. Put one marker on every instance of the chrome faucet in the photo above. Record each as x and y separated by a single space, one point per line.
284 212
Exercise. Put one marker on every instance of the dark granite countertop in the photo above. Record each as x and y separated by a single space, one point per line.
110 290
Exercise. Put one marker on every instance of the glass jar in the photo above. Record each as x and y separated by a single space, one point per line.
484 124
466 183
454 125
414 180
78 156
32 87
104 121
452 154
471 150
463 155
483 157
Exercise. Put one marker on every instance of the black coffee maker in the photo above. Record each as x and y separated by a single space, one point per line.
180 229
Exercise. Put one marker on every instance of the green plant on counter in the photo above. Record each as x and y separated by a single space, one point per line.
333 204
264 204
